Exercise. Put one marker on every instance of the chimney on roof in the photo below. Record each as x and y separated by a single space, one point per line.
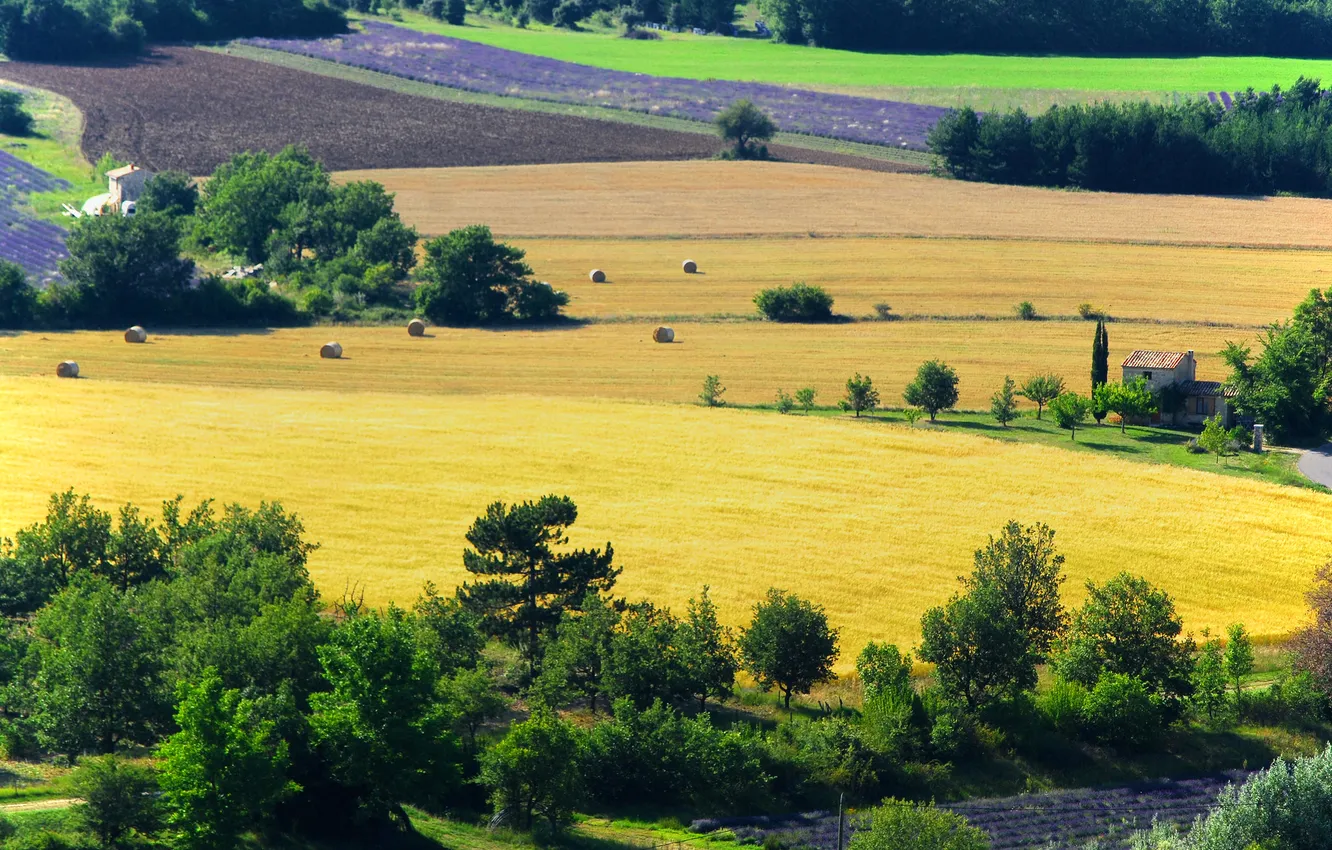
1193 367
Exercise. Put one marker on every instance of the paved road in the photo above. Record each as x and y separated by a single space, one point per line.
1317 465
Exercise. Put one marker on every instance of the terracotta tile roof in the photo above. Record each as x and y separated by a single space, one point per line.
1206 388
1153 360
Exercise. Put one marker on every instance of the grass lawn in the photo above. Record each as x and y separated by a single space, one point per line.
703 57
1137 443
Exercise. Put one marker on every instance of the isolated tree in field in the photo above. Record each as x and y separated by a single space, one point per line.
1100 370
1021 564
224 771
742 124
525 586
789 645
1041 390
1209 678
1128 626
785 404
470 279
712 393
118 798
933 389
707 652
534 770
380 725
1003 404
97 683
860 395
805 398
1071 410
1238 657
1131 400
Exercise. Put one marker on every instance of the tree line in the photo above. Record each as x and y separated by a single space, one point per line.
1157 27
327 251
199 634
1267 142
65 30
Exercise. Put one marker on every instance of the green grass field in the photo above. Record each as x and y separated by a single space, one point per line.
937 76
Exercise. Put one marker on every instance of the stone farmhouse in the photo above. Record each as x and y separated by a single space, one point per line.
1202 399
126 183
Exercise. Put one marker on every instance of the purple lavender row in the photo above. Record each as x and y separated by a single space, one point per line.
38 246
470 66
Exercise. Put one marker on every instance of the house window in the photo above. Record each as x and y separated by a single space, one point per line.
1147 376
1202 405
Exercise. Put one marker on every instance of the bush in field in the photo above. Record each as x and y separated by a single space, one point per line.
1119 710
1026 311
470 279
903 825
712 393
742 124
798 302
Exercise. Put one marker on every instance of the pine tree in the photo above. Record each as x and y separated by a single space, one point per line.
1100 372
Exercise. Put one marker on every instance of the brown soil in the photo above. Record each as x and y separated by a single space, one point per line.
190 110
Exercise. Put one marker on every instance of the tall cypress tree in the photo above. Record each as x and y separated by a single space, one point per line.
1100 371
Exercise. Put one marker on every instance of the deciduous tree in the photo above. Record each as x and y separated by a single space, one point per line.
1041 390
1071 410
470 279
741 124
789 645
118 798
1238 657
933 389
535 770
860 395
1003 404
707 652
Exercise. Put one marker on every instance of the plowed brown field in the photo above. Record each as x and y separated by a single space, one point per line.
191 109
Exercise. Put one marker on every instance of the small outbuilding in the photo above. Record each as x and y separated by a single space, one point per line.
126 184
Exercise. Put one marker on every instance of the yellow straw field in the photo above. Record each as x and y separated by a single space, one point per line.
710 199
871 520
614 360
935 277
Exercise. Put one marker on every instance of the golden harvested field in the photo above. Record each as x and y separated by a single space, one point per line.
871 520
935 277
710 199
616 360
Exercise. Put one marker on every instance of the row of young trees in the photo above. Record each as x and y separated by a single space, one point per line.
1267 142
1158 27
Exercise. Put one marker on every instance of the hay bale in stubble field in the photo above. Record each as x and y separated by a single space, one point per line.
690 267
416 327
663 334
136 334
330 350
67 369
597 275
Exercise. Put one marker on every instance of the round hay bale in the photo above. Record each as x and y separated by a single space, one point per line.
330 350
67 369
663 334
598 276
136 334
416 327
690 267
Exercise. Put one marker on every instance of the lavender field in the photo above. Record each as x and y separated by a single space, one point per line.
1066 820
38 246
477 67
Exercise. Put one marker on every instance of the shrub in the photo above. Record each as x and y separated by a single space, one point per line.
1090 313
14 119
316 302
1025 311
455 12
830 752
884 311
742 124
902 825
568 14
1119 710
785 404
798 302
1062 706
712 393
